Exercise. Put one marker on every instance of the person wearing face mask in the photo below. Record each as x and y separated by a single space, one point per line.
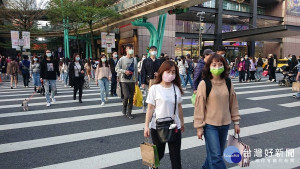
242 70
222 51
128 75
149 70
140 69
25 69
216 107
76 71
247 65
199 68
183 66
102 78
162 105
112 63
35 73
48 75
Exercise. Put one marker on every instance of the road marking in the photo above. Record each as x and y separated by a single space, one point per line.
261 91
129 155
22 145
275 165
73 108
270 96
248 87
293 104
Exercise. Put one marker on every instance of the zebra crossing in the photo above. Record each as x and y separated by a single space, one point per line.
72 135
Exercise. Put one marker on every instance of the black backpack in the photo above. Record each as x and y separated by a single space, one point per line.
209 86
191 67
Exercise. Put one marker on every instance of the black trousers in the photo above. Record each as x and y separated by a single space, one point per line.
252 77
78 85
248 75
113 87
242 76
174 148
25 79
128 92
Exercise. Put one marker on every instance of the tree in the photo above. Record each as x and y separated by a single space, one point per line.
21 14
84 12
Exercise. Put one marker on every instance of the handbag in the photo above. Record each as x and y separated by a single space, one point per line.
165 132
242 147
265 73
149 154
296 87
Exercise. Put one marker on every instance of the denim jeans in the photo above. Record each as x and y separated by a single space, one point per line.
182 80
103 83
66 76
258 73
215 140
52 83
189 79
36 79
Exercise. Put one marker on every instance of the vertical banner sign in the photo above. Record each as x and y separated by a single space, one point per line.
107 39
15 39
26 37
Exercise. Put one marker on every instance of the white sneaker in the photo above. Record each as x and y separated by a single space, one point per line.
102 104
53 100
48 104
65 85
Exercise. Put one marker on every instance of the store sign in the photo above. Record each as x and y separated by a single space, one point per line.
15 39
26 38
107 38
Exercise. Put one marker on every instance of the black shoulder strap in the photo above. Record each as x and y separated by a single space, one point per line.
209 86
175 99
228 84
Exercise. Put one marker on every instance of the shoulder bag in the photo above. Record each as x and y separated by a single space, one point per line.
166 127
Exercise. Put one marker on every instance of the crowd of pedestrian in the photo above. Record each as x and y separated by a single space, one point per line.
164 81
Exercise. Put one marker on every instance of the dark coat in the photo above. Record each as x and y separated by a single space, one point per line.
72 72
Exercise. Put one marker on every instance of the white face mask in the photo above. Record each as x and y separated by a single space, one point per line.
103 59
223 55
130 51
153 53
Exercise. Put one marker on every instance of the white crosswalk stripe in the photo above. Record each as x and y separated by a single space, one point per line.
22 132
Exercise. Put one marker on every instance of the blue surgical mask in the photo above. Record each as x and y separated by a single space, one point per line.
35 59
153 53
48 55
77 59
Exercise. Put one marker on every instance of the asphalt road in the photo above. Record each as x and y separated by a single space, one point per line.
72 135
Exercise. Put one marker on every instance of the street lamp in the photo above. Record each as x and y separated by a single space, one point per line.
200 15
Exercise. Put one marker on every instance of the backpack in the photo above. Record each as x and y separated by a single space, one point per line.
209 86
191 67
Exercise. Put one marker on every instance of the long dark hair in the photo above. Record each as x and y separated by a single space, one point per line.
100 62
165 66
218 58
183 59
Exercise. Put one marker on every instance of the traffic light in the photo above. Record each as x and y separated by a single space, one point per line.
178 11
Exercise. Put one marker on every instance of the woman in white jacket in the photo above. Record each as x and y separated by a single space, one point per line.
182 65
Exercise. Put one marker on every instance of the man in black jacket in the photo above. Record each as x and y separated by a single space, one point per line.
112 63
49 73
150 67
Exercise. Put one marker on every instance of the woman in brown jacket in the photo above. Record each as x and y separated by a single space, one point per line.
13 70
215 109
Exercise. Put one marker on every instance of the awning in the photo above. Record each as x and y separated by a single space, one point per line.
263 34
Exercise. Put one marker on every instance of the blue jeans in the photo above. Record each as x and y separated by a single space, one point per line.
36 79
182 80
66 75
52 83
103 83
189 79
258 73
215 140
